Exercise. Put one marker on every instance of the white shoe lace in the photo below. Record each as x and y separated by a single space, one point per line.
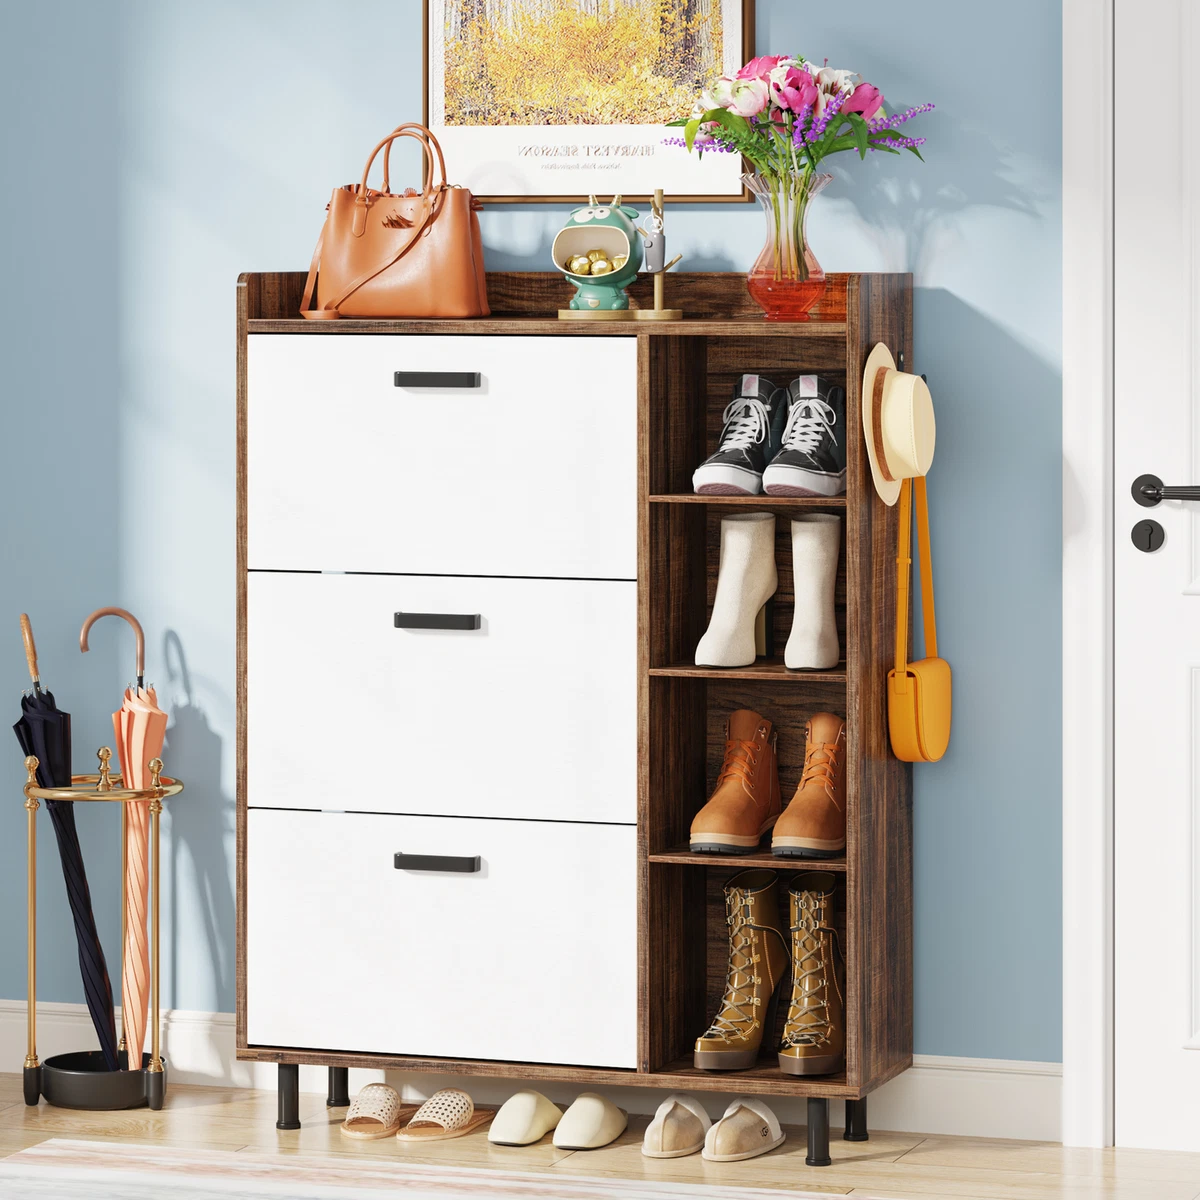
746 420
809 420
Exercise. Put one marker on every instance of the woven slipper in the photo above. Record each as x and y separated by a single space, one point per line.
376 1112
446 1114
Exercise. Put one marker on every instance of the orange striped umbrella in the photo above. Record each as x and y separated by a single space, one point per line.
139 727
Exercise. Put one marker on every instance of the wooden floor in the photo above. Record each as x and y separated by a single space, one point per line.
894 1165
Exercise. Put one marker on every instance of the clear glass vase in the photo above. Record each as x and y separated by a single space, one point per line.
786 279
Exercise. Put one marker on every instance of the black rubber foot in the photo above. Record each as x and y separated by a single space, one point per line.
339 1088
289 1096
33 1085
856 1121
818 1133
156 1089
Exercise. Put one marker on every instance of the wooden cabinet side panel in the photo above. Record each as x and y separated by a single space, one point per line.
879 851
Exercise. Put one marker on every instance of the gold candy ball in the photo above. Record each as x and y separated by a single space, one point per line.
596 255
620 261
601 266
580 264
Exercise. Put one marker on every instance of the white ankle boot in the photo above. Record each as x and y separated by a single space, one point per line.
813 644
746 580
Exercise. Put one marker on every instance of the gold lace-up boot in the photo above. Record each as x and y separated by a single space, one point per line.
758 959
814 1037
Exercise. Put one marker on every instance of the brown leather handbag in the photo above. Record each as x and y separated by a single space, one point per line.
399 256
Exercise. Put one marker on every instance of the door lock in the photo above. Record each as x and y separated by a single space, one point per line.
1148 491
1147 536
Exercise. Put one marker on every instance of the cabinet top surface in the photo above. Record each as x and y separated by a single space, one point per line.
518 326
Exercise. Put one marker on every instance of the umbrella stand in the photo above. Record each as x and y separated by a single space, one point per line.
80 1079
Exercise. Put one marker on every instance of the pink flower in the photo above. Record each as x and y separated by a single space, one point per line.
761 67
866 99
796 92
749 97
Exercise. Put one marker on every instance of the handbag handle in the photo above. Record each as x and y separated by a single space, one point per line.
903 568
424 135
428 143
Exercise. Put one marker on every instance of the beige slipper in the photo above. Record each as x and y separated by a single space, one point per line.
446 1114
678 1128
591 1122
748 1128
376 1112
524 1118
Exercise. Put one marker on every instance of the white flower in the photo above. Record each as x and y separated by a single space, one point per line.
722 92
778 76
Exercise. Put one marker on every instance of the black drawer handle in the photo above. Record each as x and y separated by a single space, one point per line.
406 620
446 379
464 864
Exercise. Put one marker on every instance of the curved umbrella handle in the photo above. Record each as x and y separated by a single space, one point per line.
137 629
30 651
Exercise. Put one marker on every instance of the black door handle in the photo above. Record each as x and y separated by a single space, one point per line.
446 379
463 864
1148 490
407 620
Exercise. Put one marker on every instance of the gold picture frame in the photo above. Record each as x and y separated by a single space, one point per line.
738 15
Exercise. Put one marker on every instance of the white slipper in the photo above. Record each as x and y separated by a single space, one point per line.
748 1128
524 1118
591 1122
678 1128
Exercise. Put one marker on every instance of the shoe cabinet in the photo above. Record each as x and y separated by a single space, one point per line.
471 734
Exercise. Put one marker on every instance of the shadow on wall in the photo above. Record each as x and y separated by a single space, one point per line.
201 832
995 500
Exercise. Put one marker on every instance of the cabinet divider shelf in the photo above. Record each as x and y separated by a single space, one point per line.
763 501
683 856
764 669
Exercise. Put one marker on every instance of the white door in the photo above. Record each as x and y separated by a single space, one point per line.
1157 601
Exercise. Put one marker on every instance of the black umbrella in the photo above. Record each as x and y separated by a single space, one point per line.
45 731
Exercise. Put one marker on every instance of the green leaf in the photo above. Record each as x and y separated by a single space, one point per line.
690 129
915 151
861 132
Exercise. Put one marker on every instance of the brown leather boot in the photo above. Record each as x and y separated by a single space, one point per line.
746 801
814 1038
758 959
814 824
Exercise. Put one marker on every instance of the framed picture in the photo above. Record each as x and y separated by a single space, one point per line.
555 99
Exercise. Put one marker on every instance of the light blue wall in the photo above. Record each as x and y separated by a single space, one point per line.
152 150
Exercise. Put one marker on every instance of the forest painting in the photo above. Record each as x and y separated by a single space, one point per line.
578 62
554 98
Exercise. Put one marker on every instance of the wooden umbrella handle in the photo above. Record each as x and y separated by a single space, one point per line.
124 614
30 648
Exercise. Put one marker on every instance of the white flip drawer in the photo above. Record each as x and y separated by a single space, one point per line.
532 473
532 715
530 958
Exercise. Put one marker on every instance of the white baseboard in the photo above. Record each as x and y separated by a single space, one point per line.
977 1097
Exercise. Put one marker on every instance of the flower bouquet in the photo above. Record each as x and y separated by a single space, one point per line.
783 115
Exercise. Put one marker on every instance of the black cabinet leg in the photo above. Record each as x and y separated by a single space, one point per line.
289 1096
818 1132
856 1121
339 1088
33 1085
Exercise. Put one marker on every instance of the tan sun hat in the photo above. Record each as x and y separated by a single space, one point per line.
898 423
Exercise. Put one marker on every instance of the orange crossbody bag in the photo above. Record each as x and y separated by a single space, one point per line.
918 692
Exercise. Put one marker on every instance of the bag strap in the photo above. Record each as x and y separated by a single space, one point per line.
903 571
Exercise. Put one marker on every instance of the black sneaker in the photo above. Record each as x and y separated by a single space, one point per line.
752 436
812 461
